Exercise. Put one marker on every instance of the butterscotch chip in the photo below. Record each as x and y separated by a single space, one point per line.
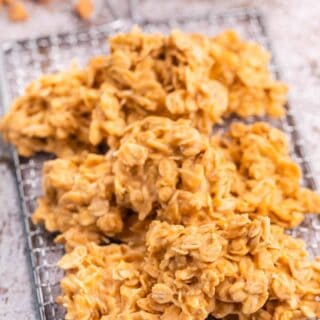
17 11
84 8
8 2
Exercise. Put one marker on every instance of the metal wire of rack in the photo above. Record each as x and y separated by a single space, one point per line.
24 60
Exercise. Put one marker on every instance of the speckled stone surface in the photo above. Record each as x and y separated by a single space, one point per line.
294 29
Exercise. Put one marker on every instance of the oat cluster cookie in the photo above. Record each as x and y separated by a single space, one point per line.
236 266
267 181
187 76
172 221
79 200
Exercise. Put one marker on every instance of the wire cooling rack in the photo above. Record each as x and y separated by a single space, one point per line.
23 61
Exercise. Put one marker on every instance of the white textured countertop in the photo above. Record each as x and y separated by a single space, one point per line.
294 27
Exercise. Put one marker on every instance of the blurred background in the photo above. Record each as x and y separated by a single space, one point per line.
293 27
